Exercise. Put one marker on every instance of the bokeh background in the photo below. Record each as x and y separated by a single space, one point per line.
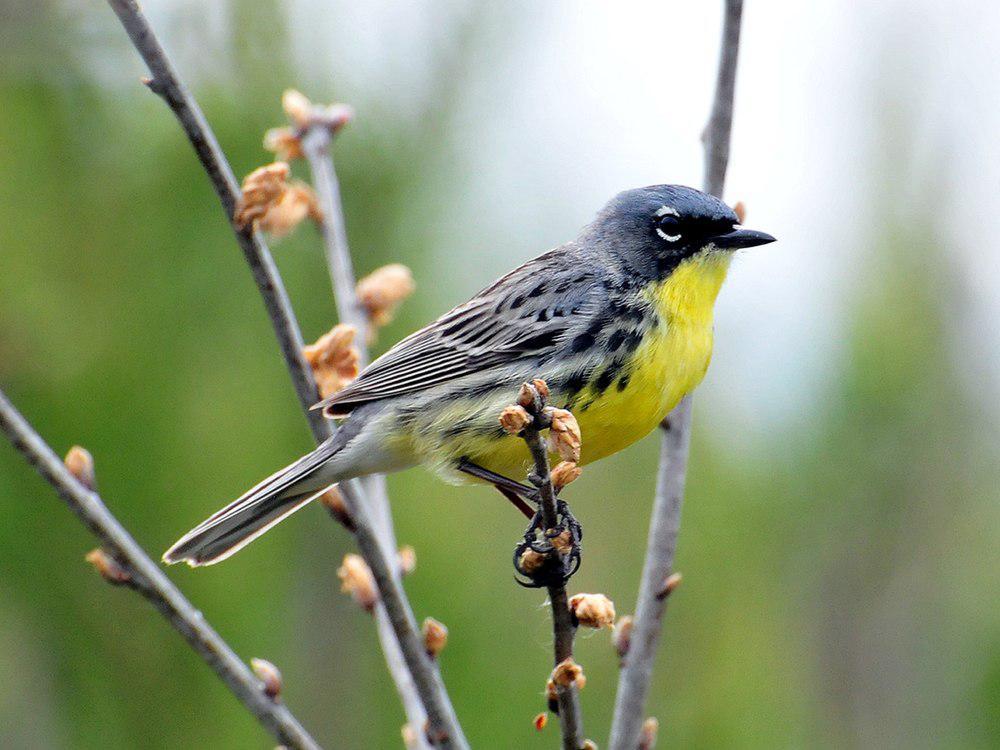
840 534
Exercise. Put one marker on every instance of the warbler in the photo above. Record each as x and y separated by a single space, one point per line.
617 322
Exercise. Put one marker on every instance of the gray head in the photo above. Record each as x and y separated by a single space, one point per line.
651 230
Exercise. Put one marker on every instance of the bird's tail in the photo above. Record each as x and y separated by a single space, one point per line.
256 511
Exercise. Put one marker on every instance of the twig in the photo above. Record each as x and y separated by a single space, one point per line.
165 83
146 577
637 665
417 679
168 86
563 628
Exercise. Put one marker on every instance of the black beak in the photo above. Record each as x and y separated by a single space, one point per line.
740 238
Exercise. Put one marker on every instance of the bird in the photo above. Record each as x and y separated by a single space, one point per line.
618 323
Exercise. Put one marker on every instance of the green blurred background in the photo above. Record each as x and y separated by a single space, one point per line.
840 536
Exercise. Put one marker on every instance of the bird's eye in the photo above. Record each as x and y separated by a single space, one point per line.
668 227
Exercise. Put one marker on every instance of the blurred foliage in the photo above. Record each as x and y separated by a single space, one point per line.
840 582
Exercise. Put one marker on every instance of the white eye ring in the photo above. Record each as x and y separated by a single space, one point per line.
668 237
667 211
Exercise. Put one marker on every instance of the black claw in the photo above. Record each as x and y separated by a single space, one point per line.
555 568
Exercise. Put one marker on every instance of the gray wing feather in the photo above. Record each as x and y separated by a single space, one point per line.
529 313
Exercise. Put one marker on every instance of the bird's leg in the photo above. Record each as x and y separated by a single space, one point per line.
514 491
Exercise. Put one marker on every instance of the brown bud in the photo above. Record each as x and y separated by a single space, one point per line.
297 106
740 210
261 189
531 561
288 211
333 501
81 465
671 582
284 143
568 673
542 387
592 610
540 721
563 542
109 568
334 116
270 675
621 636
588 745
356 579
647 736
407 560
381 291
563 473
334 359
514 418
526 396
564 435
435 636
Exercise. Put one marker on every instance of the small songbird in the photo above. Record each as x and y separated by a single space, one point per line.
617 322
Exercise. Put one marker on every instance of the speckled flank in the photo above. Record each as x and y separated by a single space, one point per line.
616 402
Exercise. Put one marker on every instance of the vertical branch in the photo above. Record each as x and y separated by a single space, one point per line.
563 627
637 666
165 83
142 574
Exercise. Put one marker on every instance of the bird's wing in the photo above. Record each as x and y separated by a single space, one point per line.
528 313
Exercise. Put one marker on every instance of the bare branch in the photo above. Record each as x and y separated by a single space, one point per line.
145 576
637 664
167 85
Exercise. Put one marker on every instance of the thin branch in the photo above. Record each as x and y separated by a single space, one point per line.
316 146
146 577
637 666
563 628
168 86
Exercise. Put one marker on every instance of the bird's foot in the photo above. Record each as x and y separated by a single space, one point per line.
549 556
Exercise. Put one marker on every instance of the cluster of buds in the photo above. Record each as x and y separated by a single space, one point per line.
271 203
334 359
380 293
592 610
357 580
286 142
564 431
567 674
647 736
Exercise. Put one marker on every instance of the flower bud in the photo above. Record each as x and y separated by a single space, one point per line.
381 291
526 396
333 501
563 473
81 465
671 582
531 561
564 435
621 636
268 674
334 359
356 579
261 189
542 387
568 673
592 610
647 736
297 106
435 636
540 721
407 560
740 210
284 143
108 567
514 418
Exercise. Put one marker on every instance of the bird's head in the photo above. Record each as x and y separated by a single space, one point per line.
654 229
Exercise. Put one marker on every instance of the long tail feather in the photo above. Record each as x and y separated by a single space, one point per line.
246 518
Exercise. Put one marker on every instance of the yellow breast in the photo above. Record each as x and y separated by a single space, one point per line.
669 363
